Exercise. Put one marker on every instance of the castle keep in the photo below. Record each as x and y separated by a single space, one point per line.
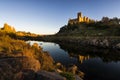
79 19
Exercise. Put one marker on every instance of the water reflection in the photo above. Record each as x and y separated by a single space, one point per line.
83 58
107 55
96 63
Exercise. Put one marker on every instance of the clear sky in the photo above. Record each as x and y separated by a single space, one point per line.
47 16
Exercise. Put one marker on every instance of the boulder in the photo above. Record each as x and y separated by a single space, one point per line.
78 78
44 75
18 68
118 46
31 64
73 69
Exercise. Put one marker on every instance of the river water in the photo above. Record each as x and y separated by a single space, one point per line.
96 64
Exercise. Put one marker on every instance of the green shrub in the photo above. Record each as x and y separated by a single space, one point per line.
68 76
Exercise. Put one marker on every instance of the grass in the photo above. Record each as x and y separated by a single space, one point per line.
15 48
68 76
18 52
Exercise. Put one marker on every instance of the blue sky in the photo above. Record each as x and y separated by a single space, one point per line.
47 16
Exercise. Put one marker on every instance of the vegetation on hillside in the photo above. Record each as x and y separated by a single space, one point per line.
19 59
69 76
22 61
9 30
104 27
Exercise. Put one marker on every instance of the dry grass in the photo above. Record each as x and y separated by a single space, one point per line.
17 56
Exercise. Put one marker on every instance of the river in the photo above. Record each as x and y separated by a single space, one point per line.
97 64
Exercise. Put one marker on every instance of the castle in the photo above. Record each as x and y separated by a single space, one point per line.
80 19
8 28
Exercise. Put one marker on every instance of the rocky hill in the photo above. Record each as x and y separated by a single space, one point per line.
104 27
8 28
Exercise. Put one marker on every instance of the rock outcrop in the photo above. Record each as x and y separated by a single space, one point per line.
18 68
110 43
44 75
8 28
118 46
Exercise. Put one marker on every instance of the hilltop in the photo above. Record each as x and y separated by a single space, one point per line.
8 28
99 34
11 31
105 27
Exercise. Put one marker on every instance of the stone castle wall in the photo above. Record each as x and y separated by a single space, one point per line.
79 19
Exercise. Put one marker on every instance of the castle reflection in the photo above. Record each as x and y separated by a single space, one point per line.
82 58
85 53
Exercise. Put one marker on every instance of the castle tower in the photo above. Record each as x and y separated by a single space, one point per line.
80 19
87 20
84 19
79 16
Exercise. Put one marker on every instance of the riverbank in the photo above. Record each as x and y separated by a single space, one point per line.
100 42
93 62
23 61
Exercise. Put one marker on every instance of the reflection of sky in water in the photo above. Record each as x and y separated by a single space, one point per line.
58 54
94 68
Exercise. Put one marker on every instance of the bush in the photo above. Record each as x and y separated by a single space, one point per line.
68 76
